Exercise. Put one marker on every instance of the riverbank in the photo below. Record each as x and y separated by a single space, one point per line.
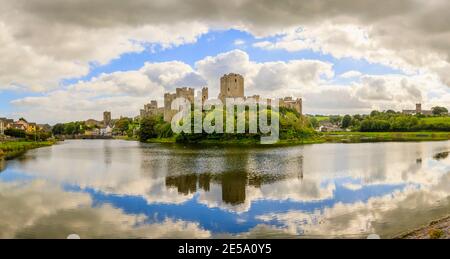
358 137
12 149
126 138
328 137
438 229
249 142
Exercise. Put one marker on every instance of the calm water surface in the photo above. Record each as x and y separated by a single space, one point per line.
115 189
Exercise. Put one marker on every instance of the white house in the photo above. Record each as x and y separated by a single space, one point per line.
107 131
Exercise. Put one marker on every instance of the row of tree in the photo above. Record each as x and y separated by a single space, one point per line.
39 135
391 121
292 126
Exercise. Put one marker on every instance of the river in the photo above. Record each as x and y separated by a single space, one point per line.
125 189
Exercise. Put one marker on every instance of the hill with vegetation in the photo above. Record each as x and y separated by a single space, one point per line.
294 128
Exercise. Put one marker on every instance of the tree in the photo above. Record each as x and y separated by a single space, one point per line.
147 128
122 125
390 112
371 125
346 121
70 128
17 133
314 122
374 113
438 110
335 119
58 129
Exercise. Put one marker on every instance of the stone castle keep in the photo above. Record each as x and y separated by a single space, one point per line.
231 86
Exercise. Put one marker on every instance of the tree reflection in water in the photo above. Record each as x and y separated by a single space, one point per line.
2 164
233 183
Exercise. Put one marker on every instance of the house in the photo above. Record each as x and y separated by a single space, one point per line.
21 123
32 127
44 127
19 126
5 124
106 131
327 126
93 132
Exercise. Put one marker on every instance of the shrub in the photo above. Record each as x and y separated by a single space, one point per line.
17 133
435 233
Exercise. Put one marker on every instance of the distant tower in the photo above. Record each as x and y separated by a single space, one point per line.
106 118
204 94
231 86
418 108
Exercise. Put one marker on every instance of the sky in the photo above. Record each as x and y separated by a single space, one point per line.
71 60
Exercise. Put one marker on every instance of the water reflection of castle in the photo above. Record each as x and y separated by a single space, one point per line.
233 184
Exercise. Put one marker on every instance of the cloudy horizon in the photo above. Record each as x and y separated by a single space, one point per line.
71 60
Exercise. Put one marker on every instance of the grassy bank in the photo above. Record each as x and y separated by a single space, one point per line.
243 141
356 137
134 138
438 229
11 149
330 137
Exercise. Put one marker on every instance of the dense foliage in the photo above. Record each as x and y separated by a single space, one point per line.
37 136
154 127
390 120
70 128
292 126
438 110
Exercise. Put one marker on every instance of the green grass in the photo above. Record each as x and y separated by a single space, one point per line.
331 137
322 118
434 120
161 140
11 149
353 137
134 138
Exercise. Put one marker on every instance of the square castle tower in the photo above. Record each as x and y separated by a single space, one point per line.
231 86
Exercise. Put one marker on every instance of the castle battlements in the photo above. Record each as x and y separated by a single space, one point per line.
231 86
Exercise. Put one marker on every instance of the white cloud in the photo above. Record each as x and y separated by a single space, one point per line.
269 79
75 33
39 205
239 42
46 41
350 74
124 93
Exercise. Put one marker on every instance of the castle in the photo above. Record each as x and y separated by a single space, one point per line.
418 110
151 109
289 102
106 118
231 86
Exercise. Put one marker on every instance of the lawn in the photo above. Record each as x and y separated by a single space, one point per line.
12 149
322 118
435 120
385 136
